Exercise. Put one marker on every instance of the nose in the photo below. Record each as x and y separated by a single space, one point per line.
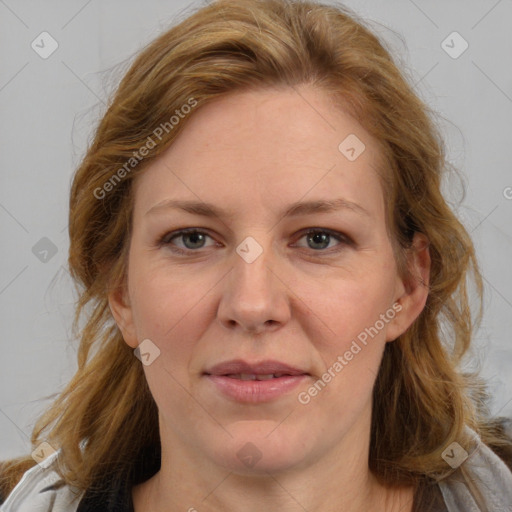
255 297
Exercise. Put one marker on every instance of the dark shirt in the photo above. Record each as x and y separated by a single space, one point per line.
114 493
116 499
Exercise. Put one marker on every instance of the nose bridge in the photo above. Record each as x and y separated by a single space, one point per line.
252 276
254 296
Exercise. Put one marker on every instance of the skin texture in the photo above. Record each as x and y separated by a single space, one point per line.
301 301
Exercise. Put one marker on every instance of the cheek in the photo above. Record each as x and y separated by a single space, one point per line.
174 308
350 343
168 313
347 307
161 295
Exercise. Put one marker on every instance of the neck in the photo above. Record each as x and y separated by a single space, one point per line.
190 482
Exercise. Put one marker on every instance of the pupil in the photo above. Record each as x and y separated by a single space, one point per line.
320 237
193 236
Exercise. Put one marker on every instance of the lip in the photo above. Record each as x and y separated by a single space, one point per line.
262 368
254 391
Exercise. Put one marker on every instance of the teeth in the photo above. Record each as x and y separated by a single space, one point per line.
246 376
265 377
250 376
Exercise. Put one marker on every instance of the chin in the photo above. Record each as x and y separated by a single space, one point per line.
260 450
253 463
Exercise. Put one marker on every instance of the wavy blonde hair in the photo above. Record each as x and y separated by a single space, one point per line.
422 400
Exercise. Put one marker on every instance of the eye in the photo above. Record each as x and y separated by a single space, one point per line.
318 239
195 236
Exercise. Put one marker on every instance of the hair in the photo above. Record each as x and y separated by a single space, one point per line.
422 399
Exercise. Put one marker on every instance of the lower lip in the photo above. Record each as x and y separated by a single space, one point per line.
256 391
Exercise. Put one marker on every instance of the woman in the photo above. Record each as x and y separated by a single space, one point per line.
305 354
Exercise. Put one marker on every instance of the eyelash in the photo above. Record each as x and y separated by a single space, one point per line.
166 240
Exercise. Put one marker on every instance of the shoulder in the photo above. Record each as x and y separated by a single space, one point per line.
42 489
482 475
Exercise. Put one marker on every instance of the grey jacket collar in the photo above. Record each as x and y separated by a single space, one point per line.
481 475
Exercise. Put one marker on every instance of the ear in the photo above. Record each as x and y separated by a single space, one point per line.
412 292
123 314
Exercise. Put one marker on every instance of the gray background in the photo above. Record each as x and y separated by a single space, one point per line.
50 106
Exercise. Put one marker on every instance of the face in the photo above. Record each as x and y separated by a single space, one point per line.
316 290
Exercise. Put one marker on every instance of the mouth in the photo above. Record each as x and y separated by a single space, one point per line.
264 370
244 382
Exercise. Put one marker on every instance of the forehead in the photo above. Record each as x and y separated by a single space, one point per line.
266 147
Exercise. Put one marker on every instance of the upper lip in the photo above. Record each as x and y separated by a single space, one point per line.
237 366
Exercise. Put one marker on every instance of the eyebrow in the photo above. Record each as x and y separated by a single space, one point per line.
294 210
